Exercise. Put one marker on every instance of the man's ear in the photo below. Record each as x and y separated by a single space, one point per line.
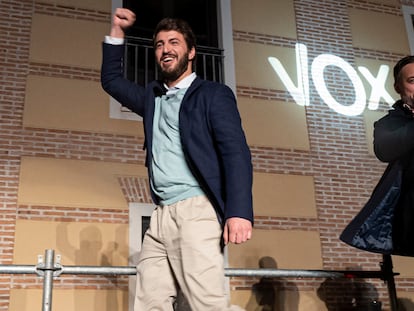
191 54
397 88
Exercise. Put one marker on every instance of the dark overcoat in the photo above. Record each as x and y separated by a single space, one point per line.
386 222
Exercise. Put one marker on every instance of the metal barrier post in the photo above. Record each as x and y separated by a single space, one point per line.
48 267
387 270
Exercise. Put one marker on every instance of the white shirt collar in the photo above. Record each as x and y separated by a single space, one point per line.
183 84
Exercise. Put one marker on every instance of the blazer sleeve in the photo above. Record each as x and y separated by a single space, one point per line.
128 93
234 154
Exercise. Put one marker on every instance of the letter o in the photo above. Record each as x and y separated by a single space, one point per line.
318 66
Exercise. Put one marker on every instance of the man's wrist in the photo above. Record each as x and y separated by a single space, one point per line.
117 32
114 40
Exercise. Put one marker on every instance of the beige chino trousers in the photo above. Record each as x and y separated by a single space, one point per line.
182 248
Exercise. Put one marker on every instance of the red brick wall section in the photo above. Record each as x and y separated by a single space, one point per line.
343 171
15 32
135 189
17 141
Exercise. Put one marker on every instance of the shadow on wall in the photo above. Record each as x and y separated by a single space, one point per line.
273 294
405 304
349 294
91 251
90 244
110 256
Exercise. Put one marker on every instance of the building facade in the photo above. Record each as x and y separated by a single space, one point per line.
311 77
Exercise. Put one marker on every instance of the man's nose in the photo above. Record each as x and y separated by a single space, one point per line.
166 48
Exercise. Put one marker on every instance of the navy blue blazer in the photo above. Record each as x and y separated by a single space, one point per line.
212 137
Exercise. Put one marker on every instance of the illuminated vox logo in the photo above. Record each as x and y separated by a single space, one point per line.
300 90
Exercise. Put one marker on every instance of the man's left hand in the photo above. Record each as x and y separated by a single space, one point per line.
237 230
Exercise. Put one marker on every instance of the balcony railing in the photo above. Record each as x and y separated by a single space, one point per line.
141 66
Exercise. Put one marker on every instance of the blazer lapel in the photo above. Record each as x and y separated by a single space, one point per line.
187 106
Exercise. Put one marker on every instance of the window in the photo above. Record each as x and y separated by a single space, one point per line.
200 14
139 60
408 12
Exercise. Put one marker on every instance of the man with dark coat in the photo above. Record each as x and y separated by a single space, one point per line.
394 141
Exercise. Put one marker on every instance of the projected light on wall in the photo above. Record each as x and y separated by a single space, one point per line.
300 90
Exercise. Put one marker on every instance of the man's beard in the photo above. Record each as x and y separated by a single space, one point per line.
409 101
177 71
408 104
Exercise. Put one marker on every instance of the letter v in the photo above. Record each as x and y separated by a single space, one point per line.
299 93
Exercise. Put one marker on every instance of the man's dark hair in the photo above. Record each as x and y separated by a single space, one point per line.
399 66
178 25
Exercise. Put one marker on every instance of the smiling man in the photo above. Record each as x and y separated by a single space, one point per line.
199 167
172 53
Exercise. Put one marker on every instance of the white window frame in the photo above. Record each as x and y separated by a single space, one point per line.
136 212
226 42
408 13
116 111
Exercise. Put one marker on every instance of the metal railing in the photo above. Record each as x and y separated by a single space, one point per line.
140 65
49 268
